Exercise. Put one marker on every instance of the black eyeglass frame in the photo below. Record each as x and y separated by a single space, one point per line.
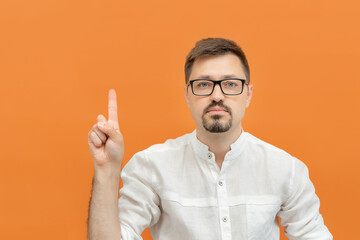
191 82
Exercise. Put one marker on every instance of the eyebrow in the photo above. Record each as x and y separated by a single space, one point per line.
222 77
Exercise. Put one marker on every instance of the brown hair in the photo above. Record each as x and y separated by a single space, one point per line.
215 47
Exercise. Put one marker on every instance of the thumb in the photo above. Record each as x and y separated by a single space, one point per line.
110 131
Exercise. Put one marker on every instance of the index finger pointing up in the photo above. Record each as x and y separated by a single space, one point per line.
113 106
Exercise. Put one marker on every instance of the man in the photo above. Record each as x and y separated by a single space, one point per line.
217 182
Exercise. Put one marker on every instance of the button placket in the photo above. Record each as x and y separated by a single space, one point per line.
212 165
223 208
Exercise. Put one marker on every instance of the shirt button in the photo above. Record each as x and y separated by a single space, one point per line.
220 183
209 156
224 219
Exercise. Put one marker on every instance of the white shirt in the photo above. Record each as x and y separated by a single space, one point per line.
177 189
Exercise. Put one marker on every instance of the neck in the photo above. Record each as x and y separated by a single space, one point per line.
218 143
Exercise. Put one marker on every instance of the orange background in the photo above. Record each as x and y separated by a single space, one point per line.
58 59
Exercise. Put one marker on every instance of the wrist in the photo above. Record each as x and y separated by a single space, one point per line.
107 176
108 169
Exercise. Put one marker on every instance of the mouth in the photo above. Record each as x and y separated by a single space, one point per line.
216 110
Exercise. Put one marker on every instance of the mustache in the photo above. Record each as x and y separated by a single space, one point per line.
218 104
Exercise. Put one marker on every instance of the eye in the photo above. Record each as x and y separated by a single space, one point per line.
230 84
203 84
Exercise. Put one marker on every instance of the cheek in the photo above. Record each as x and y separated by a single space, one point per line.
194 109
197 108
238 108
241 112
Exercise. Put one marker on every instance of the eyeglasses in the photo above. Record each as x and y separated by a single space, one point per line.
205 87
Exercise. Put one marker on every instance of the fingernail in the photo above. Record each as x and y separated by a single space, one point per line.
101 124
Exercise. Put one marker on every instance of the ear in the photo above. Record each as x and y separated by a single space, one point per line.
186 93
249 94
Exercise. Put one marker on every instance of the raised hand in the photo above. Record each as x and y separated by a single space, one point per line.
106 141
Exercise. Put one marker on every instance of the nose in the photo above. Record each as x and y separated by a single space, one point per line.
217 95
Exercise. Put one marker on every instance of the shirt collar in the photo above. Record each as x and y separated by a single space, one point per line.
203 151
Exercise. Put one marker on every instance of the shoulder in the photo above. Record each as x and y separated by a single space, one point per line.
170 149
170 145
260 150
281 170
255 143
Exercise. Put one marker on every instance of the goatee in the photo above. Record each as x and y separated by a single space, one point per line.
216 126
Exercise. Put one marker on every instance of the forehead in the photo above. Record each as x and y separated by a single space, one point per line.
218 67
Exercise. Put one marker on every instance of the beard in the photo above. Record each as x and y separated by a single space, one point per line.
215 124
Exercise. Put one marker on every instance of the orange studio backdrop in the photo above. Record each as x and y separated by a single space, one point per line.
58 59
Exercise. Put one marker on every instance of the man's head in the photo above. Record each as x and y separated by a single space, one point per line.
223 108
215 47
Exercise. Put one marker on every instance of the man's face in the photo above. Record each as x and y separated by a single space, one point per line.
218 113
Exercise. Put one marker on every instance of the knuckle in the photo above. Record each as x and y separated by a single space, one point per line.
96 138
92 135
97 143
95 128
89 133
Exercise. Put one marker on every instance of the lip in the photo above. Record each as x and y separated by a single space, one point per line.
216 110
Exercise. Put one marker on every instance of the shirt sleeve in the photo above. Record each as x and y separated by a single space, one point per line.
138 203
300 214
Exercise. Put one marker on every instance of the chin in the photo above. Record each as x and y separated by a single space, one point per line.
216 126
